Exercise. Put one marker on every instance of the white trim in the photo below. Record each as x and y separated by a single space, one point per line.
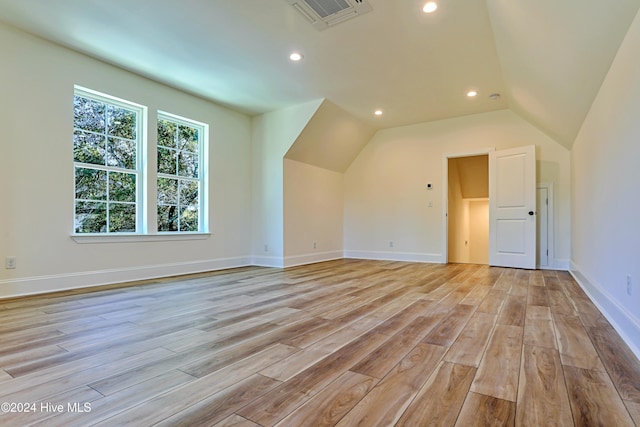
136 238
203 165
61 282
395 256
624 322
267 261
141 142
557 264
292 261
103 97
550 227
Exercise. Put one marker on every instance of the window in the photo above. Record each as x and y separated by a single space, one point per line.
115 183
180 174
107 135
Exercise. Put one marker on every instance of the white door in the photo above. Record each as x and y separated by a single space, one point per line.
512 207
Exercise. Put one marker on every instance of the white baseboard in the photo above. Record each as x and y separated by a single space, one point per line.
395 256
557 264
292 261
624 322
267 261
61 282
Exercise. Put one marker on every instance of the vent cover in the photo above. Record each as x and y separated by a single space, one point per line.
326 13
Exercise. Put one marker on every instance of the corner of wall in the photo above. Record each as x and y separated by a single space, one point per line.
272 134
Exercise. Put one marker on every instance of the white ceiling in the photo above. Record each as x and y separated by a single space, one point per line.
546 57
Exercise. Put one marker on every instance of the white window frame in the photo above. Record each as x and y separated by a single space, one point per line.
141 126
203 156
147 177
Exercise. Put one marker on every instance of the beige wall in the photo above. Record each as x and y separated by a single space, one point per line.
606 198
458 218
313 213
36 210
478 231
385 195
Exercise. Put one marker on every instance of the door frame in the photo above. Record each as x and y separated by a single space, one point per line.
444 259
550 227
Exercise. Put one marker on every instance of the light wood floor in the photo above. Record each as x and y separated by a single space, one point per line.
339 343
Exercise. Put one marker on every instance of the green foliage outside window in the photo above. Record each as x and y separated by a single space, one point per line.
178 176
104 151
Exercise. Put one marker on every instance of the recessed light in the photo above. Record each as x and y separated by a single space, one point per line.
472 93
430 7
378 112
295 56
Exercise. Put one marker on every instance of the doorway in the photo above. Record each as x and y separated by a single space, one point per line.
468 209
512 207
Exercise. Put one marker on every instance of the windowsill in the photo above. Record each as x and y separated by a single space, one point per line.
137 238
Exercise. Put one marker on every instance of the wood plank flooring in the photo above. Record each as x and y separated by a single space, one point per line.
340 343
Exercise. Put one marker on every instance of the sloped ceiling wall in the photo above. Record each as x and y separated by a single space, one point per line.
473 174
555 55
331 140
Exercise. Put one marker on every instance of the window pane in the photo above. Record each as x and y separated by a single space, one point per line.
91 184
121 122
189 219
188 139
122 187
188 192
88 114
121 153
122 218
166 161
187 164
106 155
167 133
88 148
91 217
179 157
167 191
168 218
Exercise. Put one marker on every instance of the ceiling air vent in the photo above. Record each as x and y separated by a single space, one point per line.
326 13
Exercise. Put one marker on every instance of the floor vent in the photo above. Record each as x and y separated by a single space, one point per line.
327 13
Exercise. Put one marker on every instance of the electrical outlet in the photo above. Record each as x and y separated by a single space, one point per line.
315 245
629 285
391 244
266 248
10 262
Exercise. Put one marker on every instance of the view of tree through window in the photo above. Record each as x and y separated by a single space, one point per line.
111 182
105 150
179 175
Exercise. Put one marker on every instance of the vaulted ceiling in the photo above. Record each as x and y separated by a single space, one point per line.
546 58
